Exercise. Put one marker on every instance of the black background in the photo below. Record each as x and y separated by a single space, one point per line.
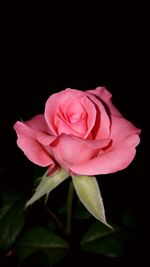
38 61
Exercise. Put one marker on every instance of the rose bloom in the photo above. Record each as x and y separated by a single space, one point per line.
81 131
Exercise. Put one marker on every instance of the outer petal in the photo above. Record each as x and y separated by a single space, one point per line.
121 129
38 123
69 150
115 159
103 94
91 115
101 128
33 149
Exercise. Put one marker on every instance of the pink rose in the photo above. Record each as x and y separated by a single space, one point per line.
80 131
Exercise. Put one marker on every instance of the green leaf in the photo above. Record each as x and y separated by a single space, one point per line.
12 218
88 192
38 259
47 184
105 241
43 259
41 239
8 199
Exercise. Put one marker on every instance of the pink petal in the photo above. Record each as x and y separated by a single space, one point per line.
34 151
121 129
38 123
78 119
69 150
98 144
52 169
56 101
91 114
45 139
124 136
21 128
115 159
64 128
63 110
31 147
103 94
101 129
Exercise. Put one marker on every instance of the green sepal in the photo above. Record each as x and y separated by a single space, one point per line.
88 192
47 184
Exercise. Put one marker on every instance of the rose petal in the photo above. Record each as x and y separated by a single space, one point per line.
31 147
36 154
54 102
45 139
115 159
103 94
82 127
121 129
101 129
124 136
64 128
38 123
69 150
91 114
62 106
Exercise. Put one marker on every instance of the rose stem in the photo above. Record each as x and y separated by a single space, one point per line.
69 208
